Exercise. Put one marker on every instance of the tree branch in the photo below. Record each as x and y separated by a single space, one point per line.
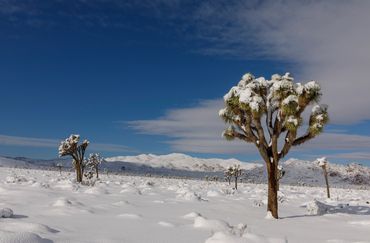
261 133
289 139
303 139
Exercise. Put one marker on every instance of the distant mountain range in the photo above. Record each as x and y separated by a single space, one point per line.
298 172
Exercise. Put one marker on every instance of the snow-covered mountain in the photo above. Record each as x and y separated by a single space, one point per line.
297 172
183 162
23 162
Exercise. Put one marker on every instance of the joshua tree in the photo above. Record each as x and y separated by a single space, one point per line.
59 166
236 173
263 112
229 174
323 163
93 162
233 171
71 147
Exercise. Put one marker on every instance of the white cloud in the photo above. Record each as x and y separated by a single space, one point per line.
329 40
352 156
28 142
198 129
194 129
54 143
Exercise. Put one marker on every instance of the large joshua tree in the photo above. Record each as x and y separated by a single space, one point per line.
71 147
263 112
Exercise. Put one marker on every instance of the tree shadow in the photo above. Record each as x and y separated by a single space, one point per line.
342 208
19 216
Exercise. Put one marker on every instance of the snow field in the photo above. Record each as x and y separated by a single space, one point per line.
48 207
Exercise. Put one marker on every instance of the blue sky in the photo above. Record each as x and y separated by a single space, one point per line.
148 76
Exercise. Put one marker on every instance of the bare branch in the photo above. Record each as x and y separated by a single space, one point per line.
298 141
289 139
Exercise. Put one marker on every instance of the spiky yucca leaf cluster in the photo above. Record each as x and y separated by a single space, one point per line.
319 117
233 171
253 97
70 145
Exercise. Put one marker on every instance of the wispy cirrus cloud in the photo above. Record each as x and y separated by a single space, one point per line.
54 143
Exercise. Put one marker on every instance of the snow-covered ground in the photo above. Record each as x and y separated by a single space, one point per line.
49 207
298 172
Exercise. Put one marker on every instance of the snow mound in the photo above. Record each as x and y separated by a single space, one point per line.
66 185
65 202
213 193
166 224
96 190
221 237
62 202
211 224
316 208
27 227
121 203
269 215
67 206
130 189
129 216
190 196
21 237
253 238
363 222
6 213
191 215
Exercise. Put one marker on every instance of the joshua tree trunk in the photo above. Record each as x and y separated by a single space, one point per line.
273 184
97 172
78 171
327 182
236 183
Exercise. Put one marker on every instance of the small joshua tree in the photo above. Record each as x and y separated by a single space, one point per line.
233 171
59 166
236 173
228 174
323 163
93 162
71 147
262 112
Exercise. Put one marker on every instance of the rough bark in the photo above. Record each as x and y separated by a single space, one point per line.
272 198
78 171
97 172
327 182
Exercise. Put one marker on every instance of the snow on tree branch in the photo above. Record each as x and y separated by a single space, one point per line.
259 111
71 147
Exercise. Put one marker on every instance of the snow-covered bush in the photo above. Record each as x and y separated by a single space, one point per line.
261 111
71 147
